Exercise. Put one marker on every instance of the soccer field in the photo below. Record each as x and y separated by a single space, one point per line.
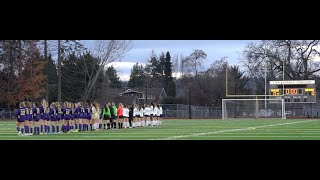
238 129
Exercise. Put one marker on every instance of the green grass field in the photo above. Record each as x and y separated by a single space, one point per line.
239 129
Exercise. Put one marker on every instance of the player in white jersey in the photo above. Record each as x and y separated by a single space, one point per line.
155 112
160 114
147 114
135 116
151 115
126 116
141 109
95 116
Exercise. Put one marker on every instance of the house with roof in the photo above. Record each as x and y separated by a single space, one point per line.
141 96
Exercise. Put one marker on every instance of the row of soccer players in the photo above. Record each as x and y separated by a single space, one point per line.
132 116
78 117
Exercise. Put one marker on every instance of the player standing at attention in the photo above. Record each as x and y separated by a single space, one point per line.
47 118
132 124
30 118
81 111
21 116
95 116
142 114
161 114
109 115
76 116
151 115
125 116
147 114
113 116
100 116
139 113
72 119
53 117
64 126
155 114
63 109
120 114
36 118
42 119
135 115
84 120
89 115
26 122
105 116
67 116
59 116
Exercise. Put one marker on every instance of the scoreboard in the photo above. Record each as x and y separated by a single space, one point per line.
298 91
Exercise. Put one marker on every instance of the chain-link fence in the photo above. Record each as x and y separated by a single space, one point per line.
7 114
182 111
293 110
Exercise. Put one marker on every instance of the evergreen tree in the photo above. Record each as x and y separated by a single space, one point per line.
112 76
52 78
137 76
169 84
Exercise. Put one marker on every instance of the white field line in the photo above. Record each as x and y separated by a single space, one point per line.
262 136
70 137
230 130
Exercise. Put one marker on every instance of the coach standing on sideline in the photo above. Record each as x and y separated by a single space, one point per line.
131 116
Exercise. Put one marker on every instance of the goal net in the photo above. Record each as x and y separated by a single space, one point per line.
253 108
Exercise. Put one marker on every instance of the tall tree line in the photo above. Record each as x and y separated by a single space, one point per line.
28 70
156 73
21 71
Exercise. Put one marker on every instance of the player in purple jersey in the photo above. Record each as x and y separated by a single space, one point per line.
76 116
36 118
46 118
85 117
63 127
72 120
53 117
42 119
81 114
63 109
100 116
31 124
27 122
64 122
70 116
89 115
59 116
21 115
67 117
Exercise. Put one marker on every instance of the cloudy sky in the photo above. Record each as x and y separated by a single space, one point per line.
141 51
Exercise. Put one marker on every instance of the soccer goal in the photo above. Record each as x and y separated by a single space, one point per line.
253 108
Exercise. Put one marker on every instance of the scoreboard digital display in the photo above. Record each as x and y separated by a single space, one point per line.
299 91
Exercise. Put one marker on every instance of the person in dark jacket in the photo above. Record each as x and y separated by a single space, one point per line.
130 115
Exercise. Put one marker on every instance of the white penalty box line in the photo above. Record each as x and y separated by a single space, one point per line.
230 130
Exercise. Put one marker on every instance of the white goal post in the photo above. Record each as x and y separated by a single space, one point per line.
253 108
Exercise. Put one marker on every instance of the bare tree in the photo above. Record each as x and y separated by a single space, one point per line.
295 56
106 51
194 61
